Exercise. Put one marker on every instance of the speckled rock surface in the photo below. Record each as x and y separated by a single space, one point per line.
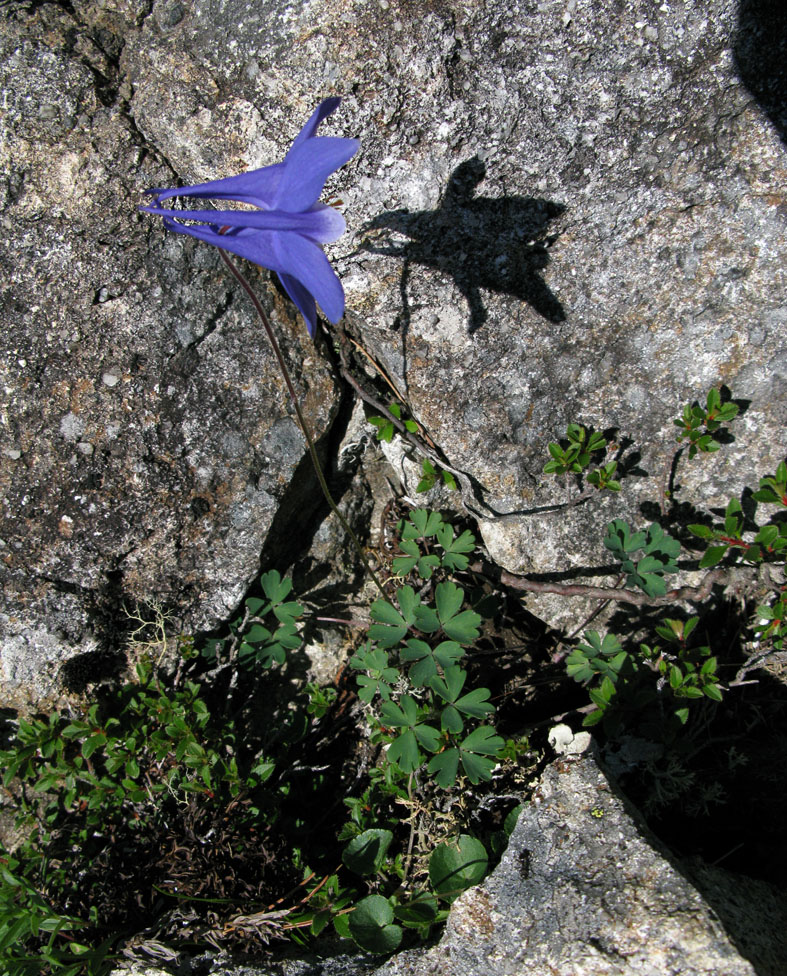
561 211
581 891
591 228
550 221
147 436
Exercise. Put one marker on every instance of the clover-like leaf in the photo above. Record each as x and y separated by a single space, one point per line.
404 751
459 626
620 539
274 587
390 626
454 557
421 524
449 687
476 703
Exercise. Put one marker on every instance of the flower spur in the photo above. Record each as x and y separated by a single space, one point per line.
287 230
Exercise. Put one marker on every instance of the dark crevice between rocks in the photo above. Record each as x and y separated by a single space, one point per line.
729 895
304 510
761 57
714 791
300 513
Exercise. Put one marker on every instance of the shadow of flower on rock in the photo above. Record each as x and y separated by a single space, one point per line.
497 244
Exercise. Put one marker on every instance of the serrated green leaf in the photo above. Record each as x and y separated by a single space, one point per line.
408 601
256 634
427 736
274 587
450 687
483 740
448 653
422 524
426 620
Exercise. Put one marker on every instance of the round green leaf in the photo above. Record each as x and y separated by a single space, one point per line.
455 866
371 925
365 854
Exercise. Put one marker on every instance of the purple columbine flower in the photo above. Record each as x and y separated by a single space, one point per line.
288 230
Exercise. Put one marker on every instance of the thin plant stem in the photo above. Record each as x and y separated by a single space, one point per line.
238 275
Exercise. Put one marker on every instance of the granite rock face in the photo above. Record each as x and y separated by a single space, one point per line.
560 212
148 438
581 891
589 227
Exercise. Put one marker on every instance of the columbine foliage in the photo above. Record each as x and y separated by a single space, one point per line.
412 662
266 629
659 552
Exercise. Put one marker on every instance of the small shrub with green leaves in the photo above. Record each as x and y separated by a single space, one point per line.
99 800
771 621
768 543
575 454
654 675
616 678
698 424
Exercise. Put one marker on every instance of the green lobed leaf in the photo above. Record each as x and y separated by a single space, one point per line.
403 752
478 769
444 767
448 600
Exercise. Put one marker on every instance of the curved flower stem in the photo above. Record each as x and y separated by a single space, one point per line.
238 275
